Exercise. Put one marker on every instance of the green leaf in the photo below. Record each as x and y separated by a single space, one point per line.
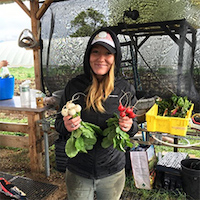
107 130
70 148
77 133
129 144
121 147
79 144
86 126
87 132
122 133
88 147
180 102
111 134
106 143
96 128
116 116
114 142
90 141
174 98
112 121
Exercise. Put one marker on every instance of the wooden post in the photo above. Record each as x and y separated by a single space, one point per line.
34 7
34 138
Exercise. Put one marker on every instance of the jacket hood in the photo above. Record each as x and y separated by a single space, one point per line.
118 54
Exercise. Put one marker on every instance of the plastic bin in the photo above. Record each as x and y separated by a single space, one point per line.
7 86
191 177
171 125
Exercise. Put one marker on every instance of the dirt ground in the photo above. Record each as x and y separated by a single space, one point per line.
16 162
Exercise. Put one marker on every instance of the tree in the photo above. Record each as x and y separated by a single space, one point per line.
87 22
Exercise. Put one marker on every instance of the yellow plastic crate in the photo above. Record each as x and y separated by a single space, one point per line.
171 125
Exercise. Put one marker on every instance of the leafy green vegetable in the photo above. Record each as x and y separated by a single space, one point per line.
175 106
82 139
70 148
114 135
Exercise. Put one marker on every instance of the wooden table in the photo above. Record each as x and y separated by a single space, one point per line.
34 140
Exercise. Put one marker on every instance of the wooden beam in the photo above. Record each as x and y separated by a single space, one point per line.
23 6
44 7
14 127
34 7
14 141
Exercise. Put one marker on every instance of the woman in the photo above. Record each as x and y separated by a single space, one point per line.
100 170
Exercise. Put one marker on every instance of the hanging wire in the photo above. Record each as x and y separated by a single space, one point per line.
175 145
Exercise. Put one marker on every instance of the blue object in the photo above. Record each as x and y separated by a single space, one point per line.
7 86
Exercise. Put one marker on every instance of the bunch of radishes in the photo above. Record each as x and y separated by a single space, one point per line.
84 138
71 109
126 110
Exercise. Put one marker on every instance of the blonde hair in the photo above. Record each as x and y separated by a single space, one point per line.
99 91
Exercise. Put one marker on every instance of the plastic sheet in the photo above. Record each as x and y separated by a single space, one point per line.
62 55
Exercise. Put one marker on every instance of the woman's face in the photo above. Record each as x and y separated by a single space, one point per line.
101 60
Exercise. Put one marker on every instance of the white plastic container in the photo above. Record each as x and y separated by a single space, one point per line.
25 97
5 72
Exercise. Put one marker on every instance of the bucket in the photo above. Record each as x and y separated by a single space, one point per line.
7 86
191 177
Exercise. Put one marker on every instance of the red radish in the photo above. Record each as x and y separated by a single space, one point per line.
122 114
173 112
121 107
129 110
132 115
165 112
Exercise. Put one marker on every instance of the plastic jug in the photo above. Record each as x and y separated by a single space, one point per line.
25 97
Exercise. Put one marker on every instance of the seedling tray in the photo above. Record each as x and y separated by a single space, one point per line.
172 125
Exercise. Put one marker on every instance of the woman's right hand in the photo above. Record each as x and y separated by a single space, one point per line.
72 124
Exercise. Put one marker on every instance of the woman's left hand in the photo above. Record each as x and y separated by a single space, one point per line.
125 123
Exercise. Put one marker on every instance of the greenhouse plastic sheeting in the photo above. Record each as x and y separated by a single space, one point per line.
157 62
16 56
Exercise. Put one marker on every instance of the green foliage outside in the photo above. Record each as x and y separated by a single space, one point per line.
87 22
22 73
16 120
63 70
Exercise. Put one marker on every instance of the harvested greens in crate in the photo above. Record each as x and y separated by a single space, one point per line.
175 106
170 116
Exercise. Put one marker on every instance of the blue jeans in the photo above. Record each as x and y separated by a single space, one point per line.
108 188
